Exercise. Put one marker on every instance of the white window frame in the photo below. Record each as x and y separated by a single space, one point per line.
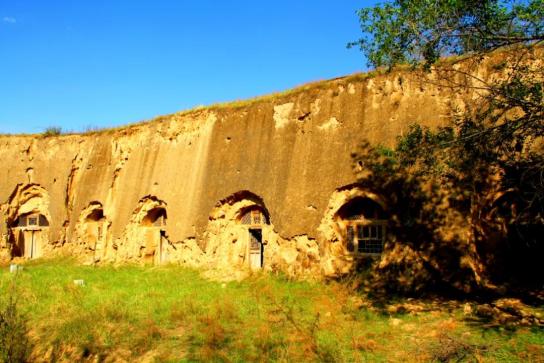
358 239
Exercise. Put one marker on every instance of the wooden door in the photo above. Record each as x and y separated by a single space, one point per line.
163 246
25 241
256 248
99 235
34 245
37 243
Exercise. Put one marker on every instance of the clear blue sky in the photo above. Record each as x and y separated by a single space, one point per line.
97 63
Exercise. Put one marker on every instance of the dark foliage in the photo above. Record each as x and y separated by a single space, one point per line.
467 200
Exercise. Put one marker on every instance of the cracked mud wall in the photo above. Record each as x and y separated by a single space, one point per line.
227 240
91 236
292 151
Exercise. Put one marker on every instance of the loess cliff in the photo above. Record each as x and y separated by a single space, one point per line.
255 184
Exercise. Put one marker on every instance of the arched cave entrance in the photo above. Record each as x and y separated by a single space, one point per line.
154 223
29 235
362 224
28 221
95 231
238 232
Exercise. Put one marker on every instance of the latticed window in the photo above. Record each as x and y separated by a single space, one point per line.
364 224
32 220
254 216
363 238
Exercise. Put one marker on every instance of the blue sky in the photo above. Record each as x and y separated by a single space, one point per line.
80 64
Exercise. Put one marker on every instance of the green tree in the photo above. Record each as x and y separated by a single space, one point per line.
454 192
411 31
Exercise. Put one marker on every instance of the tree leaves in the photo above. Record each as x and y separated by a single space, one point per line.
454 190
416 31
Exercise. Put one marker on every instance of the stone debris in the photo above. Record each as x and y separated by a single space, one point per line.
509 311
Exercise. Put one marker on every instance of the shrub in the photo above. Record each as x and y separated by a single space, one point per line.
14 343
451 348
52 131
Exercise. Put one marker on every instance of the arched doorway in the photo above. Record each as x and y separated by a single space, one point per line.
253 218
28 221
29 235
95 230
156 243
362 223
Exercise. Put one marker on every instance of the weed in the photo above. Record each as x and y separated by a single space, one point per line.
14 343
211 340
52 131
449 347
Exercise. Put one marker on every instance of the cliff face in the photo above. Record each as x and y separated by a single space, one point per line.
288 155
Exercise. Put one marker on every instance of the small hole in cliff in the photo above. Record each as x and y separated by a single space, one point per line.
29 173
304 116
360 165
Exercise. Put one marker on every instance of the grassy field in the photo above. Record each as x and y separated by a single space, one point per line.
172 314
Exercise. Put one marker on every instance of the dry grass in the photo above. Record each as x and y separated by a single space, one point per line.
231 105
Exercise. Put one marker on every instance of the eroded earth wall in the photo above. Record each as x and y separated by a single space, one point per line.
291 151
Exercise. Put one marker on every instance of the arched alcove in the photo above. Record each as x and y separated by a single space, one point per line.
96 215
28 232
238 229
146 237
28 220
155 217
93 229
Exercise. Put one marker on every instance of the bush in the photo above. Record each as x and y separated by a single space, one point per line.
14 344
52 131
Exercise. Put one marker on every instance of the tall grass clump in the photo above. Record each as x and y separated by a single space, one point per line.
14 343
52 131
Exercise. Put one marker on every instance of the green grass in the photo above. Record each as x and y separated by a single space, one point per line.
172 314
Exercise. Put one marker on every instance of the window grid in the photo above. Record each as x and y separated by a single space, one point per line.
365 238
254 217
31 220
